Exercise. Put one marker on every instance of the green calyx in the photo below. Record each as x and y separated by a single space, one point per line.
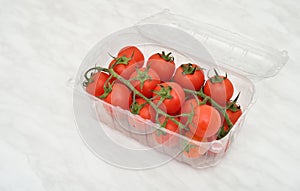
135 108
188 68
160 132
142 76
232 106
121 60
164 92
166 57
217 78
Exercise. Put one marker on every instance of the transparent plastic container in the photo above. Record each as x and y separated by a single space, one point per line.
245 61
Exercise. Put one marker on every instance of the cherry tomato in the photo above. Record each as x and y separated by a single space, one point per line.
234 113
219 88
206 120
163 64
129 51
171 94
95 86
129 58
120 96
189 76
193 150
145 80
142 108
163 137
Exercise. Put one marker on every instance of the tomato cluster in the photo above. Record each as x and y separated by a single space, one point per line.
179 99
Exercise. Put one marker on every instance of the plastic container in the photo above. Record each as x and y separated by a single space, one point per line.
211 47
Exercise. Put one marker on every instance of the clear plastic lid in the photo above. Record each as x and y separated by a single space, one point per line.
229 50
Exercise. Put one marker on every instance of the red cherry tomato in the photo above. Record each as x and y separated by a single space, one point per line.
219 88
189 76
206 120
129 58
142 108
172 95
193 150
234 113
163 64
120 96
166 138
133 51
145 80
95 86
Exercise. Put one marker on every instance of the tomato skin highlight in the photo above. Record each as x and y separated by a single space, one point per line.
206 120
126 69
147 85
221 92
166 138
95 88
164 69
119 96
193 79
173 104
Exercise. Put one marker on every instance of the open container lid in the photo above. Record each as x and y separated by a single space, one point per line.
229 50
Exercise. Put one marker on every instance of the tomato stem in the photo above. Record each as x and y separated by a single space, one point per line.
142 76
233 105
217 78
121 59
188 68
89 80
166 57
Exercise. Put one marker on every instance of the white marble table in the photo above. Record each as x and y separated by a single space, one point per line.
42 43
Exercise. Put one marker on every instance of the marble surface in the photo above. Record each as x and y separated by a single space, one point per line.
42 43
